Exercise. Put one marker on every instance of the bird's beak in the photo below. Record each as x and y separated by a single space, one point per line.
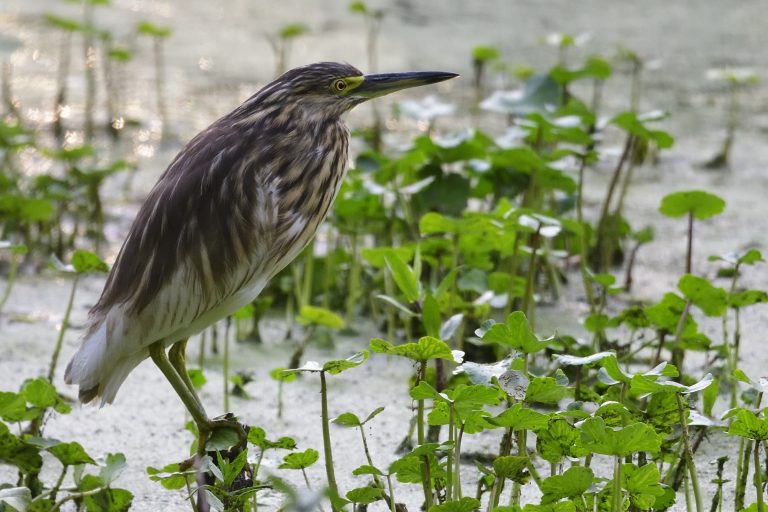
374 86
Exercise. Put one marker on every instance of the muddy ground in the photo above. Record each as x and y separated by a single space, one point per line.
219 54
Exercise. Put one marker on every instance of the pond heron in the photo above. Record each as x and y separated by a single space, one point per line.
234 207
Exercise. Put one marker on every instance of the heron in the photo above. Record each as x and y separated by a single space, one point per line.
234 207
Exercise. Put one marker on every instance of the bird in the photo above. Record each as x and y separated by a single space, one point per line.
235 206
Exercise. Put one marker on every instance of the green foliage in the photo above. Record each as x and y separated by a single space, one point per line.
700 204
426 348
300 460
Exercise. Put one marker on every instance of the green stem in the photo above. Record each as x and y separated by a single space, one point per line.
616 497
688 454
391 494
589 292
759 479
327 440
527 298
689 250
457 494
309 271
11 280
226 364
426 478
62 330
451 453
742 474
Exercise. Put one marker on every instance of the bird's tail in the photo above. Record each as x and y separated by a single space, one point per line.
98 373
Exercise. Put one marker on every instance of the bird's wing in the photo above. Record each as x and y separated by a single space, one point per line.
196 230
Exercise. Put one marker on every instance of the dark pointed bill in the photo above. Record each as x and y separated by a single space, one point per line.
374 86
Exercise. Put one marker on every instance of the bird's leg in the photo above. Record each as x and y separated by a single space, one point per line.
183 388
178 359
191 401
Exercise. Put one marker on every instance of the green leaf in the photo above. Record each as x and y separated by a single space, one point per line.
485 53
541 93
546 390
515 333
113 467
196 377
320 316
280 374
347 420
643 485
433 222
171 477
18 498
746 298
518 417
364 495
407 469
17 453
152 30
709 397
293 30
40 393
300 460
748 425
222 439
558 440
637 437
712 300
426 348
648 384
67 24
71 454
513 467
13 406
373 414
407 281
465 504
367 470
572 483
339 365
107 500
424 391
86 262
376 256
702 205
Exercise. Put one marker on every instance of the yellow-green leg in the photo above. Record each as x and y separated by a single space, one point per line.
183 387
178 359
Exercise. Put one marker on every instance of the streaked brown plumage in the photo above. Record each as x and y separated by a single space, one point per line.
235 206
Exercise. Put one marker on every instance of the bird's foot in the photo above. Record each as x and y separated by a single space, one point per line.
227 422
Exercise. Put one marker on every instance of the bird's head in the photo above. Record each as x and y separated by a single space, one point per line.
330 89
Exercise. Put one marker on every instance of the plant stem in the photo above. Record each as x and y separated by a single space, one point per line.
742 471
451 453
62 330
391 494
589 292
689 251
89 60
528 296
457 494
616 497
688 454
425 472
10 281
327 440
226 364
759 479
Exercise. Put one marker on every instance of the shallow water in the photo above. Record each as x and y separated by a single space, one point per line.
219 55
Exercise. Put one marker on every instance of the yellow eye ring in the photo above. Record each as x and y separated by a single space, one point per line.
339 85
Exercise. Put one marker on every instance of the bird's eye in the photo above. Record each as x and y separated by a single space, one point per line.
339 85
